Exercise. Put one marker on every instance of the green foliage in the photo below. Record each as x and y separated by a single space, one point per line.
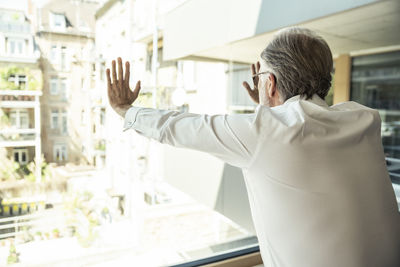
56 233
10 170
5 74
33 82
23 169
82 217
163 98
4 120
15 16
101 146
13 256
46 173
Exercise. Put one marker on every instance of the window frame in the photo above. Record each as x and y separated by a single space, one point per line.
64 88
16 116
54 53
62 149
19 80
220 257
23 114
64 121
64 64
18 44
58 17
54 120
21 151
53 85
102 116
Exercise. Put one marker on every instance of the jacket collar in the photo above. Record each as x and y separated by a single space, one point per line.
315 99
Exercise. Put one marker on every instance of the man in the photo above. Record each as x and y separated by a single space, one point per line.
319 191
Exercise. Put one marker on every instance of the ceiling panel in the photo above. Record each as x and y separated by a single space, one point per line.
366 27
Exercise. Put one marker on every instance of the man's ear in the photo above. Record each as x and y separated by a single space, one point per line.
272 91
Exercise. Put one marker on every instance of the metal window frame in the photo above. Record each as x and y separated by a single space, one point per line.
220 257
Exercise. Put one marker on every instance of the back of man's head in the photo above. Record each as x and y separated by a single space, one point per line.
301 62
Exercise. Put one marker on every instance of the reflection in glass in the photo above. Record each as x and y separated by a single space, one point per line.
376 84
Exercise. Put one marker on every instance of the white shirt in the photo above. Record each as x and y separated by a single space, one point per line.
316 176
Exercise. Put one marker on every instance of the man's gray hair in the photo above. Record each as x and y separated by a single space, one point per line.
301 62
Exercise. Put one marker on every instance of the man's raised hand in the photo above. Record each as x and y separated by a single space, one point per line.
120 95
253 92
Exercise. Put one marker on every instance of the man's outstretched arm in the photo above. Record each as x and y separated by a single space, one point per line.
232 138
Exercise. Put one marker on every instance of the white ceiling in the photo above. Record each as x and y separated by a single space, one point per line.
370 26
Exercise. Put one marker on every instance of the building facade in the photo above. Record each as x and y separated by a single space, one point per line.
65 35
20 89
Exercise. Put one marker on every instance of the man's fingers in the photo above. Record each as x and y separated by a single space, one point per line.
109 86
253 93
253 69
108 78
114 73
120 74
258 66
247 86
137 90
127 72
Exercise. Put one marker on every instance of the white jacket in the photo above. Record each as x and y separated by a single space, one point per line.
316 176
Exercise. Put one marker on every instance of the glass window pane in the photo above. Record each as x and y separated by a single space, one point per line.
63 58
16 46
376 83
54 119
13 118
12 47
12 78
53 53
119 192
63 89
237 73
24 119
58 20
20 47
63 152
22 81
64 122
102 116
53 85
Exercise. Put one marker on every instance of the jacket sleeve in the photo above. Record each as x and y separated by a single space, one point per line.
231 138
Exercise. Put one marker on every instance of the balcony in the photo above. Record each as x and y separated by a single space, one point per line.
20 47
17 138
19 98
16 130
21 28
22 52
68 31
29 58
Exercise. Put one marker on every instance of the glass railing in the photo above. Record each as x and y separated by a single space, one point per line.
15 27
